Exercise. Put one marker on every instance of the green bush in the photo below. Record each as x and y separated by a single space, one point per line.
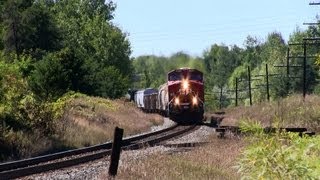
282 155
111 83
58 107
55 74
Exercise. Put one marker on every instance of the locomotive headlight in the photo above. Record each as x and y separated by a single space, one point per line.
176 101
195 100
185 84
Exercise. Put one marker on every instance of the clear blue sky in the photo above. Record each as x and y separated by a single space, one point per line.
164 27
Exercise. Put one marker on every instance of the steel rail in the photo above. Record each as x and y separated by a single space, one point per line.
25 171
237 129
156 140
50 157
128 144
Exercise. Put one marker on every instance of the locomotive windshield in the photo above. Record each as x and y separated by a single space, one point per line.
175 76
195 76
191 75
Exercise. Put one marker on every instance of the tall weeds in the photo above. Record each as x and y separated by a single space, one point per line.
282 155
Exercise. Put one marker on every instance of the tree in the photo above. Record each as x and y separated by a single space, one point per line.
57 73
220 62
273 52
88 31
12 27
311 73
40 30
28 26
150 70
107 45
111 83
251 54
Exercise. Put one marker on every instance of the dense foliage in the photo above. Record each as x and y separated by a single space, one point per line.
71 45
47 49
151 71
279 156
222 64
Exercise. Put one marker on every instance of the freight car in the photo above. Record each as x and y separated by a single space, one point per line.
146 99
162 100
181 97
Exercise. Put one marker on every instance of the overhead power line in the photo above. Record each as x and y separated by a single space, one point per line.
210 34
314 3
311 24
311 38
208 29
234 22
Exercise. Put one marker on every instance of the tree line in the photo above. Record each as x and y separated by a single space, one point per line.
222 64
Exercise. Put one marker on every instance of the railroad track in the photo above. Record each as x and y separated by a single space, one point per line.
16 169
221 130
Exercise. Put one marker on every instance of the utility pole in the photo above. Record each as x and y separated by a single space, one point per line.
267 79
288 70
236 91
304 57
304 68
220 100
249 84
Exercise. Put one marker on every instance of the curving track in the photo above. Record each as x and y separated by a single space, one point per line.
69 158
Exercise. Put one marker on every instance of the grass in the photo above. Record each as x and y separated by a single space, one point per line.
222 158
79 121
20 144
282 155
212 161
91 120
293 111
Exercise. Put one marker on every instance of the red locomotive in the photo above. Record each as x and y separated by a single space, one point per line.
181 98
186 94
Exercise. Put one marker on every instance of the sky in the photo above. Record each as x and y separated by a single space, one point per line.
164 27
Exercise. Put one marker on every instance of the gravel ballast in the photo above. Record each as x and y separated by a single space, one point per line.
98 169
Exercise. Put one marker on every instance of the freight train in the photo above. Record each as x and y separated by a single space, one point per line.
181 98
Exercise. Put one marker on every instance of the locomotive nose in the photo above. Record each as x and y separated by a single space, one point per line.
185 85
194 101
177 101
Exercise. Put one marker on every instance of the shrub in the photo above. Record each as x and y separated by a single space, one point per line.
56 73
108 83
282 155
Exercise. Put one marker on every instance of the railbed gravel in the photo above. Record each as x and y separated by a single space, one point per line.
166 123
199 135
98 169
